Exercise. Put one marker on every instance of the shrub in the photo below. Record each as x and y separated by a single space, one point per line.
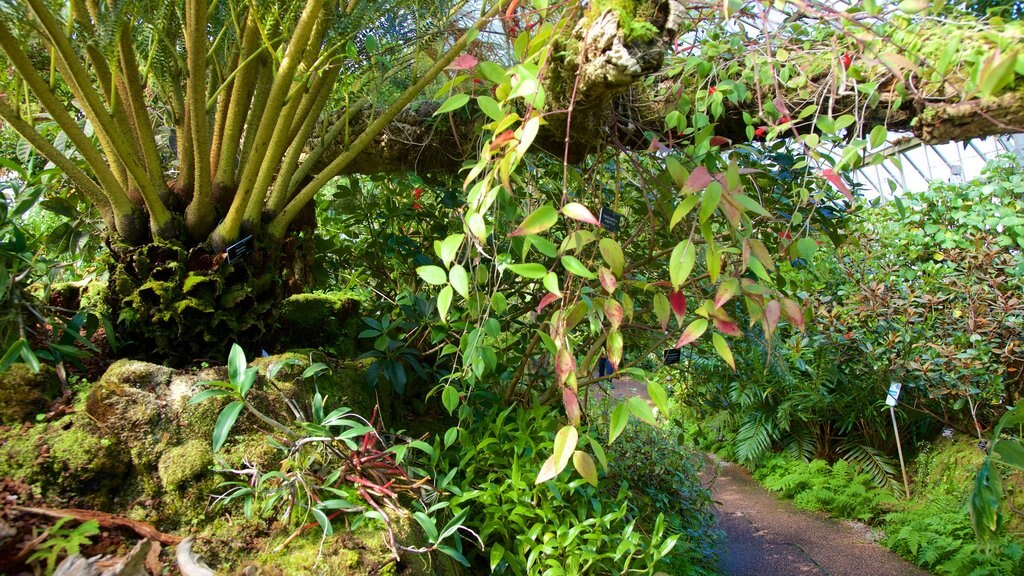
528 528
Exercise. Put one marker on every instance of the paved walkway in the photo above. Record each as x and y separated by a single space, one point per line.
766 536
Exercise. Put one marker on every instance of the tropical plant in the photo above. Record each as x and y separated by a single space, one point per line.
62 541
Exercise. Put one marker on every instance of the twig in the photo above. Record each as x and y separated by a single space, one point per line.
105 520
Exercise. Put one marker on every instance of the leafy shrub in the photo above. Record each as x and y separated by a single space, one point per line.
529 528
664 478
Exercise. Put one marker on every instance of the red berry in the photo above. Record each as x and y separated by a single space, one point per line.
712 90
785 235
760 131
783 119
417 193
847 59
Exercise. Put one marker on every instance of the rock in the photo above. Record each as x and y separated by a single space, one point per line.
23 394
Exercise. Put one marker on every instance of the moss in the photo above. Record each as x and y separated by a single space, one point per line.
24 393
69 458
185 462
948 466
634 18
329 321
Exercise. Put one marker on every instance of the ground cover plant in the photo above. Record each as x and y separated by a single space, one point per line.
514 191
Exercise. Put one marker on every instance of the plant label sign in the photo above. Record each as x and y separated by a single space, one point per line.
610 220
240 248
672 356
894 394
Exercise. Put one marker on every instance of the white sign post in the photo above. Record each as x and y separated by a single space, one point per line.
890 400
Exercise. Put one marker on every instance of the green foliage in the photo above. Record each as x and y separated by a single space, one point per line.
663 475
551 527
936 534
62 542
840 489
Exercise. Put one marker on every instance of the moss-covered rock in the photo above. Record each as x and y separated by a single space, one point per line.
327 321
185 462
70 459
24 394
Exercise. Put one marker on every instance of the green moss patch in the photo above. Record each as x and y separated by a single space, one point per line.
23 394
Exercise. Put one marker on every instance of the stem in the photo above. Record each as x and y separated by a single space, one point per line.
241 96
228 230
279 226
199 216
313 158
318 98
269 421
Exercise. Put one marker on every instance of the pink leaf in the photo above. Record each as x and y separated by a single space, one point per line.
547 299
726 291
607 280
572 405
837 181
793 313
678 302
728 327
580 213
464 62
772 311
565 364
698 180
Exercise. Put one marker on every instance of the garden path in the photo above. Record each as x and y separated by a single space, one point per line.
767 536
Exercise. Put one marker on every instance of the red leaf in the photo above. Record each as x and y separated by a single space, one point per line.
837 181
614 349
728 327
720 141
464 62
579 212
678 302
547 299
572 405
726 291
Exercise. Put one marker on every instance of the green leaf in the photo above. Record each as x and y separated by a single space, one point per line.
450 248
432 275
913 6
804 248
323 521
207 394
642 410
454 103
497 553
565 443
538 221
722 347
529 270
429 526
1010 452
584 464
573 265
551 283
995 78
709 200
612 254
459 279
620 416
681 262
658 396
225 421
602 458
750 204
444 302
878 136
683 209
490 107
450 398
236 365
